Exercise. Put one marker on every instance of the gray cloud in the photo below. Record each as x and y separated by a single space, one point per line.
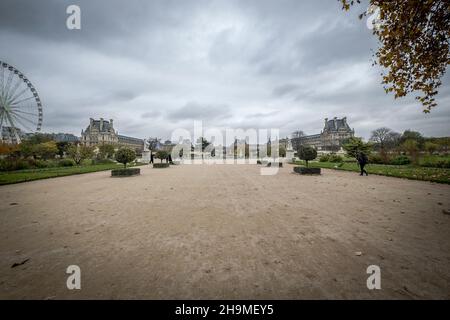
196 111
157 65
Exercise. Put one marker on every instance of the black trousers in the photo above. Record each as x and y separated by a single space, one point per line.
362 165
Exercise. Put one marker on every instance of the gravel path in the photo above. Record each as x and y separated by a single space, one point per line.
226 232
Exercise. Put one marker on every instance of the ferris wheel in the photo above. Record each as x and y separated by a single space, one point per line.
20 105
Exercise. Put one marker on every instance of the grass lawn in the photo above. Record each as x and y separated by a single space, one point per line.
37 174
409 172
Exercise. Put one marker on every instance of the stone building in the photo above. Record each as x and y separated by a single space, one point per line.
102 132
330 139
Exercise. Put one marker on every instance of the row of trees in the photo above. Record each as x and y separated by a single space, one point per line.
387 141
43 147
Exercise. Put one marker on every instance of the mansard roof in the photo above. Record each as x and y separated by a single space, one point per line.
95 125
336 125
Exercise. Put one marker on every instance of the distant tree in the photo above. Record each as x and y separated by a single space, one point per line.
355 145
380 137
27 149
62 147
412 148
282 151
46 150
162 155
8 149
296 139
297 134
125 155
106 151
384 139
79 153
414 42
444 144
393 141
431 147
38 138
413 135
307 153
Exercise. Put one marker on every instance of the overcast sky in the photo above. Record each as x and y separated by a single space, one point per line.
154 66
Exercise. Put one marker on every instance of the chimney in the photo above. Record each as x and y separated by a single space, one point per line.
111 123
101 124
91 122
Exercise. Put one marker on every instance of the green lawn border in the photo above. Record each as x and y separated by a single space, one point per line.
20 176
436 175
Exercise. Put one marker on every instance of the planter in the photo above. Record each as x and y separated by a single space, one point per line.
160 165
126 172
304 170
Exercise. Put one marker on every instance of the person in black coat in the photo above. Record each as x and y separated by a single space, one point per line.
362 161
151 157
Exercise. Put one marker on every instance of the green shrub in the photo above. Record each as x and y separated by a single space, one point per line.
440 163
335 158
307 153
443 163
162 155
160 165
304 170
400 161
324 158
125 155
376 159
102 161
66 163
42 164
11 164
125 172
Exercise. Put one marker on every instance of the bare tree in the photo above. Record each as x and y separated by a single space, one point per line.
385 139
296 139
380 136
394 140
297 134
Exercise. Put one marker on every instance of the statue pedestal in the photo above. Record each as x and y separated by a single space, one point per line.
145 157
289 155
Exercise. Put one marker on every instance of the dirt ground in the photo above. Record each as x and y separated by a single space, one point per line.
225 232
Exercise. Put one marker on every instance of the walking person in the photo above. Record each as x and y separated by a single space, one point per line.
362 161
151 157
